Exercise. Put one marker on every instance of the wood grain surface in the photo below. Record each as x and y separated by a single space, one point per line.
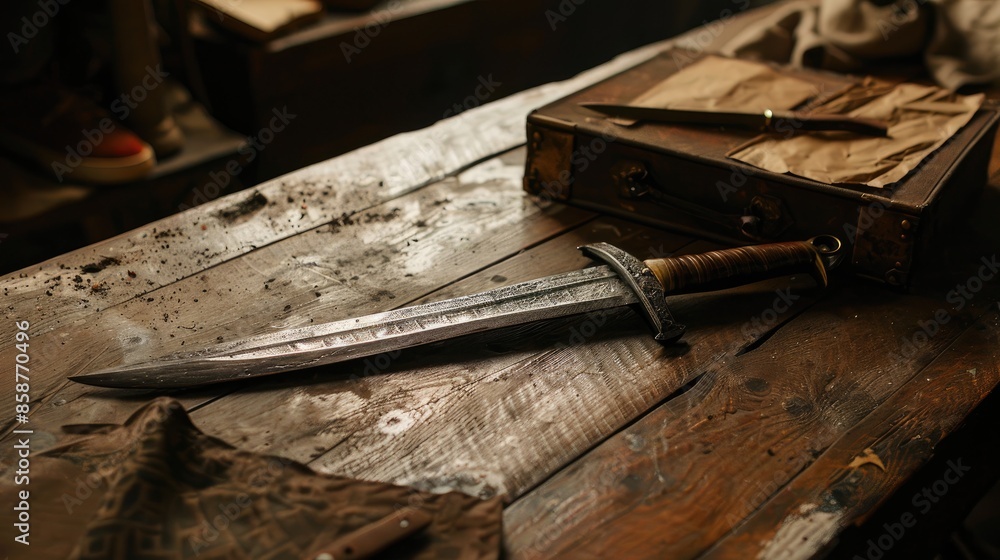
702 463
785 415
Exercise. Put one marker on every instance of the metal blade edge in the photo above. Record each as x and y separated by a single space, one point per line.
580 291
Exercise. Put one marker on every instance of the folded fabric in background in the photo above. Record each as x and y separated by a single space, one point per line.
157 487
958 40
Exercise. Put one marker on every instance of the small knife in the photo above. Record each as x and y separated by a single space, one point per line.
788 122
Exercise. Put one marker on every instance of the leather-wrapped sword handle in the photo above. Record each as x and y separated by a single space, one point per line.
717 270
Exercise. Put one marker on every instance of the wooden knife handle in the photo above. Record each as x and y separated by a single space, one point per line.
371 539
717 270
806 122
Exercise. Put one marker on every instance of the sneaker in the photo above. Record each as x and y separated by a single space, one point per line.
71 137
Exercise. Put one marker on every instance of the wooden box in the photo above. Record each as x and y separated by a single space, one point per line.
679 177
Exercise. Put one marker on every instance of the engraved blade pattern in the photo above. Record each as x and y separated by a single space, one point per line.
580 291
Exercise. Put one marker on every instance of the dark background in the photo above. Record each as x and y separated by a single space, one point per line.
415 69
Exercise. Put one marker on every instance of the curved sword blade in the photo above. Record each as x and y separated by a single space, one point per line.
574 292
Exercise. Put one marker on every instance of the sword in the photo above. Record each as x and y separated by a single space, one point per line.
622 280
767 121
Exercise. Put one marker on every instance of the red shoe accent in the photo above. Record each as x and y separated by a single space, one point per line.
119 143
71 137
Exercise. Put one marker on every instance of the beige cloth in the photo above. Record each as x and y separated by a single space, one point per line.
157 487
959 40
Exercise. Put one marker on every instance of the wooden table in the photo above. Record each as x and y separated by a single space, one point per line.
770 431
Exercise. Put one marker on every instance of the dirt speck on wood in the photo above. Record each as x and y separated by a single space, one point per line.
255 202
376 217
382 294
99 265
345 219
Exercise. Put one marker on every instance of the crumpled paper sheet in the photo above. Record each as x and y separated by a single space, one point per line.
921 119
157 487
717 83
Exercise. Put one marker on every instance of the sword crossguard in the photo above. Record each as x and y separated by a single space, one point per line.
647 288
653 279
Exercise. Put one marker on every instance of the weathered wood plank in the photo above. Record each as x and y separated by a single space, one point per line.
669 485
499 413
556 389
874 458
374 261
329 409
189 243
